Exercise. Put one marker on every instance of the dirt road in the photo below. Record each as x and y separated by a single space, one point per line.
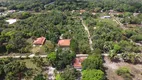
30 56
118 22
87 30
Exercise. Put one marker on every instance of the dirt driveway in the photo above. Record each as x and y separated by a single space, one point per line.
111 67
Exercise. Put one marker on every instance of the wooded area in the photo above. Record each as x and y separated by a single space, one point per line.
113 28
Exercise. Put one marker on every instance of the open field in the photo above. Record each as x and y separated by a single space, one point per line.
29 63
111 67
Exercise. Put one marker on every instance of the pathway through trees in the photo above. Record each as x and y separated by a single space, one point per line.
89 37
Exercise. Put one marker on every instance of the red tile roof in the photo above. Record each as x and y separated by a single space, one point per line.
39 41
64 42
78 61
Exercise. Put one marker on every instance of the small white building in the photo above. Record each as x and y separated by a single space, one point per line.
105 17
11 21
93 13
11 11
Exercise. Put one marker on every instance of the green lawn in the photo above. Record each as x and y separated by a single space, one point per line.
110 21
29 63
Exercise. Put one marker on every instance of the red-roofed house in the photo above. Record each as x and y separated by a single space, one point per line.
64 42
78 60
39 41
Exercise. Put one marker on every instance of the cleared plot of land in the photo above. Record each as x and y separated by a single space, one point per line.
29 63
111 67
36 70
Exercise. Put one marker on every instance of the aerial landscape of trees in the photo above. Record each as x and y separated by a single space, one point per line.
50 25
60 59
119 37
55 23
11 69
93 68
38 5
108 36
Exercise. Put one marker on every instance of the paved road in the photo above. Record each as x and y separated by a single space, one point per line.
87 30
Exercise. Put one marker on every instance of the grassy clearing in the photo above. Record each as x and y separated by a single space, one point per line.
109 21
29 63
36 70
104 14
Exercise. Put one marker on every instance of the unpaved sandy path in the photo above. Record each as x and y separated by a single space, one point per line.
87 30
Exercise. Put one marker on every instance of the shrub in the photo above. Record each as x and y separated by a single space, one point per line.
130 57
93 62
113 56
129 33
124 72
39 77
70 73
93 74
136 38
117 48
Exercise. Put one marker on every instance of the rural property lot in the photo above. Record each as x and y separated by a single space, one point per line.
111 67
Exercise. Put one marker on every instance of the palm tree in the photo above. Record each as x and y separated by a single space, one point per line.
113 55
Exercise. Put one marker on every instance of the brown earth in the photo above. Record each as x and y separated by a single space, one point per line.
111 67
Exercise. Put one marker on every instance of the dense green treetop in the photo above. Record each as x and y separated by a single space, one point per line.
70 74
61 58
11 69
93 74
93 62
38 5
